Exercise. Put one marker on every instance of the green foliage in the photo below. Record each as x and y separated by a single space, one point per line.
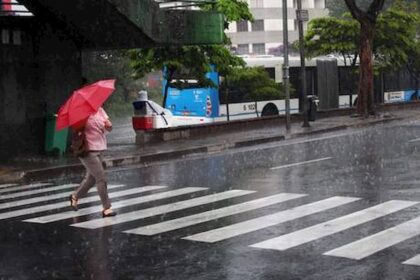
251 84
194 58
331 35
144 61
116 106
112 65
413 52
395 35
338 8
233 10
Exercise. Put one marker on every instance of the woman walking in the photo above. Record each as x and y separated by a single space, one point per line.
95 141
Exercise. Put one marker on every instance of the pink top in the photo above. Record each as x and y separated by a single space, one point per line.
95 131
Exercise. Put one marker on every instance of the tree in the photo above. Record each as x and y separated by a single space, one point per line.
194 58
338 7
106 65
413 53
252 84
394 37
330 35
367 20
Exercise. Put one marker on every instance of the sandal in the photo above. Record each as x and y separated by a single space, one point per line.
73 202
109 214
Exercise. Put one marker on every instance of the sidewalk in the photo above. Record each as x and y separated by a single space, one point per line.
123 150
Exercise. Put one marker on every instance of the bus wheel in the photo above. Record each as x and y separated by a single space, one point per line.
414 97
270 110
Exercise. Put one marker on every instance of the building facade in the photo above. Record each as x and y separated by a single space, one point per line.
265 34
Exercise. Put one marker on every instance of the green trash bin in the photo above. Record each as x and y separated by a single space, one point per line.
55 141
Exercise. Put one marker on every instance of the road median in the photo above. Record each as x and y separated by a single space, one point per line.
180 152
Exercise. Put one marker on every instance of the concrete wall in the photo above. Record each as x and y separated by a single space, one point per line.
39 67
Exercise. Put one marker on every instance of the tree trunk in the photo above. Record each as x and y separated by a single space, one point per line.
365 90
367 20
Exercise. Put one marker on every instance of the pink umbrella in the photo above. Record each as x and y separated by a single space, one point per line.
83 103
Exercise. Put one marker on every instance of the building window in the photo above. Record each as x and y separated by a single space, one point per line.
243 49
257 3
5 36
242 26
258 48
258 25
17 37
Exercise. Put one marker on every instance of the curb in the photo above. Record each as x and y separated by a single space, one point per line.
38 174
14 176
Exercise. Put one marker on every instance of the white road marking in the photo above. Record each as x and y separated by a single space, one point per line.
32 200
213 214
318 231
37 191
162 209
115 205
24 187
413 261
414 140
374 243
315 139
7 185
53 206
226 232
300 163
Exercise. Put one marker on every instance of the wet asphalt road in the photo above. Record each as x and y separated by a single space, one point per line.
311 208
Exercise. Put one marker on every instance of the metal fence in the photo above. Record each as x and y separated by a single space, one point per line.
348 81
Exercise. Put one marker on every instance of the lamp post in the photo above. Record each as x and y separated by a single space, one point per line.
302 15
286 65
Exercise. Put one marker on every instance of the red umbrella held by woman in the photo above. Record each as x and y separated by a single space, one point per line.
83 103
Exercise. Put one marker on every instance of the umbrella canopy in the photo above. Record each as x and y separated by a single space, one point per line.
83 103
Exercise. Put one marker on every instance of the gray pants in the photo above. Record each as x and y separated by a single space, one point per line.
94 173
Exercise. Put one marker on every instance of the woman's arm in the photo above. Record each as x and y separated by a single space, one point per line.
108 125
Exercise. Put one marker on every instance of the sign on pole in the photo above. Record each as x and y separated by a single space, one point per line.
302 15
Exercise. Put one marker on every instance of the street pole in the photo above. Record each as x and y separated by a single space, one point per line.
301 16
286 64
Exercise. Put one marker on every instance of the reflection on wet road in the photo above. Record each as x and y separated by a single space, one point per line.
336 206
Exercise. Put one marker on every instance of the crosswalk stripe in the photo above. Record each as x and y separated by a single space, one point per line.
300 163
413 261
7 185
37 191
42 208
269 220
414 140
213 214
315 232
115 205
162 209
24 187
374 243
32 200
